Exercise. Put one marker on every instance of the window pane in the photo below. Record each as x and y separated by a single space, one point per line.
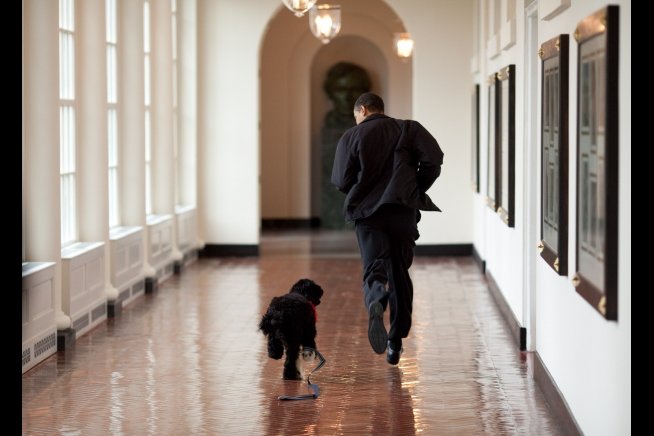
67 15
174 36
68 222
112 96
112 137
148 150
113 198
67 139
67 121
148 158
146 70
174 85
111 21
146 26
148 189
66 66
64 211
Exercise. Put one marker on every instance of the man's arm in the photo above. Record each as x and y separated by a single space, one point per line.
430 156
346 164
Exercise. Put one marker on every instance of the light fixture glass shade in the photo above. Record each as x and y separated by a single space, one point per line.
299 7
325 21
403 45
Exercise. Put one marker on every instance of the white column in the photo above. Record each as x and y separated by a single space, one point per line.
187 103
93 187
131 120
41 127
163 162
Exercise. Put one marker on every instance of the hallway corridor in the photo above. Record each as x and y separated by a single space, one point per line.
188 359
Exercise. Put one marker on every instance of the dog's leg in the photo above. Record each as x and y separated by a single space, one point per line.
292 363
309 340
309 332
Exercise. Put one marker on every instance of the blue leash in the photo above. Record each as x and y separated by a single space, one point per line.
313 387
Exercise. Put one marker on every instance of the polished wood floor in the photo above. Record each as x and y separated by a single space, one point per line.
188 359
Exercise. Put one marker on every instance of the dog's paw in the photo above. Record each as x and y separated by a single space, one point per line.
292 375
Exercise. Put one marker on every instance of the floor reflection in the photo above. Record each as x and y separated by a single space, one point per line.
189 360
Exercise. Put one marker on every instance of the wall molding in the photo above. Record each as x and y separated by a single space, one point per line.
228 250
548 9
478 260
555 399
518 332
290 223
444 250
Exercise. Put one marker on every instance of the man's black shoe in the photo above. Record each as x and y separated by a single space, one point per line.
393 355
376 331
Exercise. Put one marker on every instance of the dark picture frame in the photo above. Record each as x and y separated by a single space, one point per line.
493 143
474 140
506 145
555 66
596 276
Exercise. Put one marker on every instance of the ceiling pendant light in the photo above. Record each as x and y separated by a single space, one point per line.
325 21
299 7
403 45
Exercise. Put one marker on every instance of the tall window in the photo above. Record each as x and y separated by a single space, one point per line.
67 170
112 111
148 132
173 7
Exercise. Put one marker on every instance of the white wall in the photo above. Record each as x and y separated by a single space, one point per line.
499 245
229 38
589 357
441 102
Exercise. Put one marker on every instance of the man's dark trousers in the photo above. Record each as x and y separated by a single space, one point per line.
386 242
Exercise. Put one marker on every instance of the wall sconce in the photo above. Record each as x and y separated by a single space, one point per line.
299 7
403 45
325 21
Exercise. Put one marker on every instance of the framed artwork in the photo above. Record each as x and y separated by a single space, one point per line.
596 276
474 129
492 145
555 64
506 150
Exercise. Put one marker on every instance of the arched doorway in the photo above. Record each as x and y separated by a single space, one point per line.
293 104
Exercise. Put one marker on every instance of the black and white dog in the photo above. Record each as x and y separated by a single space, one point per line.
290 324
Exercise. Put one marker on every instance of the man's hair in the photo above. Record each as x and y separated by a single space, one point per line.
370 100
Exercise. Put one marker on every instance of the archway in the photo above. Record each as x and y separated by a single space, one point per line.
292 65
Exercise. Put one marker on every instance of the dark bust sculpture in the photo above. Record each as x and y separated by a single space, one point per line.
345 82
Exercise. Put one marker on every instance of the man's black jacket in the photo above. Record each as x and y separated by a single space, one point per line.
385 160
